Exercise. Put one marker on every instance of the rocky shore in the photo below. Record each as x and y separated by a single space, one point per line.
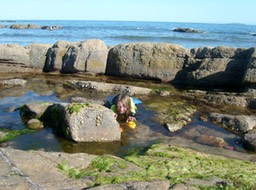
218 66
215 68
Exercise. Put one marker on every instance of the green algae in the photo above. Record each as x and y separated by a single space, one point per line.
171 110
11 134
174 163
76 107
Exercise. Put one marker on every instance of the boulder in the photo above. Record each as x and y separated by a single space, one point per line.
55 55
38 55
35 124
89 56
77 121
13 53
34 110
242 123
85 122
159 61
223 99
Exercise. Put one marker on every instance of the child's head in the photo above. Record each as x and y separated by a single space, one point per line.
123 103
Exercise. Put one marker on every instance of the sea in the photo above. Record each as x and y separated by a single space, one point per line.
122 32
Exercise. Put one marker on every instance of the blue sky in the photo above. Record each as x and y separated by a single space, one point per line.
199 11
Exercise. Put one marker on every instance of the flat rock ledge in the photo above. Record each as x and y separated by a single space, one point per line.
108 87
37 170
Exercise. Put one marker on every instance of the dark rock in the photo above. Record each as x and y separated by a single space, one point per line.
50 27
242 123
186 30
250 141
24 26
55 55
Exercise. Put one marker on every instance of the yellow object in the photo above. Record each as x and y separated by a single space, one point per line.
131 124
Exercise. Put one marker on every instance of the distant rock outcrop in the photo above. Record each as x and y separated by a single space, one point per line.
186 30
33 26
25 26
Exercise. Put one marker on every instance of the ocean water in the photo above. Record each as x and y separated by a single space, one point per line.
120 32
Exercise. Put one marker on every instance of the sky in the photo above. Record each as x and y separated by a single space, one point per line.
195 11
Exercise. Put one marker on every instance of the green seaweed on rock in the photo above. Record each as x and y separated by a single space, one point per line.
162 161
11 134
76 107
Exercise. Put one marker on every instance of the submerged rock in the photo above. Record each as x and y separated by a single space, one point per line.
241 123
13 82
212 141
35 124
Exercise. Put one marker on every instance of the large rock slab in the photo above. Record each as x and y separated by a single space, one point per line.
145 60
108 87
214 66
38 170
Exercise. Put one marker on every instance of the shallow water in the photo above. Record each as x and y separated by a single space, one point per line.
148 131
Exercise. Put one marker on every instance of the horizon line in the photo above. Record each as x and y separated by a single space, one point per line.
13 20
